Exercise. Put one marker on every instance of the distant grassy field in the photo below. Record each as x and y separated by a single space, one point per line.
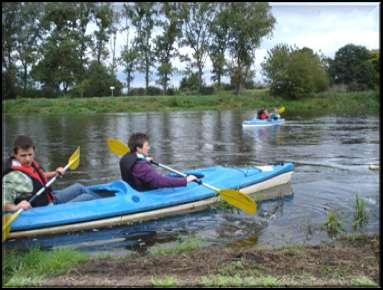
347 103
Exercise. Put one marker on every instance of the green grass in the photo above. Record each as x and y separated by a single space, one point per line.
238 281
30 269
164 282
362 281
243 266
348 103
182 245
268 267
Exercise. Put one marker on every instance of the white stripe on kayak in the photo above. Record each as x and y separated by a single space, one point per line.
266 168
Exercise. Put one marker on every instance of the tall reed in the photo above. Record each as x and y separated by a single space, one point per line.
360 214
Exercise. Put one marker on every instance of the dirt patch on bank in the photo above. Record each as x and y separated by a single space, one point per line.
324 265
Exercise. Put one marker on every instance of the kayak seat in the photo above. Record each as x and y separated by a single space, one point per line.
115 188
105 193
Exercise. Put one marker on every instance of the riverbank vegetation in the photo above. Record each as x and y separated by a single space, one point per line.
332 102
50 51
346 261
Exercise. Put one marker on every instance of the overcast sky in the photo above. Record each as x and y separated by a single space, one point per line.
323 27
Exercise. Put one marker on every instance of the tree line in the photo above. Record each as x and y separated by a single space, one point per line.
49 52
298 73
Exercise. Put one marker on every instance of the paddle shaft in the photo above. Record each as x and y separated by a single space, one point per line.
240 201
185 175
47 185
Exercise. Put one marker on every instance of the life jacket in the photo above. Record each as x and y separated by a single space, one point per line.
126 164
263 116
36 173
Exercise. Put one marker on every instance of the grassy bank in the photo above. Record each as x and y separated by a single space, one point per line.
35 266
347 261
324 103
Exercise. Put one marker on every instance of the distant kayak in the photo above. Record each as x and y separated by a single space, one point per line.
262 123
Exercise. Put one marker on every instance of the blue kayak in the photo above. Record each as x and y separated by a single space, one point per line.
122 204
262 123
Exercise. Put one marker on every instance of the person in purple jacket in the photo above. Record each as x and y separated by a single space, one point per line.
139 173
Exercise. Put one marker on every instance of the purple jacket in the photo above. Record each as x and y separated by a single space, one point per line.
146 177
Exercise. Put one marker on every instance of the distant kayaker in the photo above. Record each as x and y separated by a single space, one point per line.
139 173
263 114
23 177
274 115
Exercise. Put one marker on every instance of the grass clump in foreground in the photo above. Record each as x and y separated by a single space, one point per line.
182 245
31 268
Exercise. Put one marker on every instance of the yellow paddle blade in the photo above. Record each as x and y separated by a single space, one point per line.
239 200
7 220
117 147
281 109
74 159
6 233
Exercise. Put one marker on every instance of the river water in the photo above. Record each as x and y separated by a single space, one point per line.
331 156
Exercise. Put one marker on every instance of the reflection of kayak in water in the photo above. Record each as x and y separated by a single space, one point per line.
121 204
374 167
262 123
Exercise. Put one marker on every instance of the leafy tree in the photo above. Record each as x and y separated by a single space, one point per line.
142 16
218 45
275 67
104 21
60 63
10 29
306 73
86 13
294 73
165 50
116 15
247 23
129 53
352 67
27 39
97 82
129 58
374 59
63 44
190 83
196 18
